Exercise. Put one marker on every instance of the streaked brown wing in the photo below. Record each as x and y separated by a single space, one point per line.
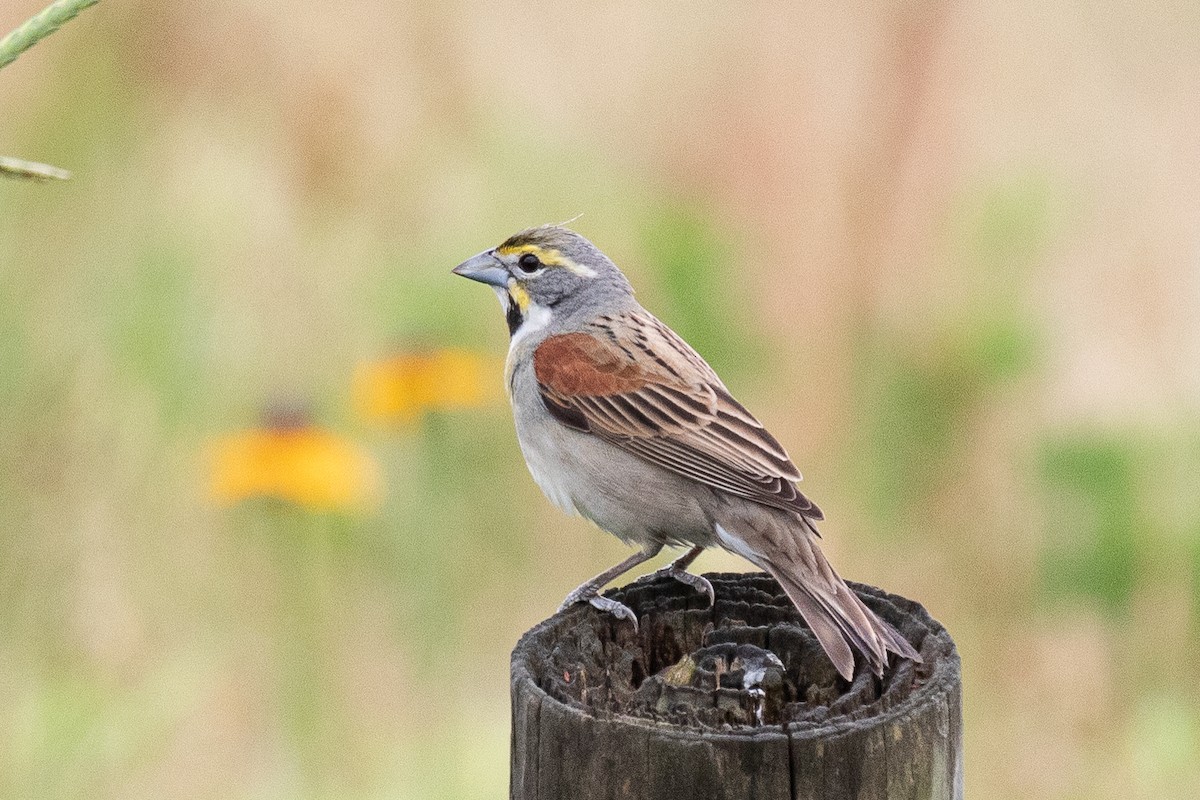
635 383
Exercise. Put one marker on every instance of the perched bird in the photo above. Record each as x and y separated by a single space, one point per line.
622 422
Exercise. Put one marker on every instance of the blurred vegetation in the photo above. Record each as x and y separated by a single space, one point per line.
922 391
1095 481
987 387
701 286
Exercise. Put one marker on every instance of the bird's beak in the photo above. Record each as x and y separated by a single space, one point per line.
485 268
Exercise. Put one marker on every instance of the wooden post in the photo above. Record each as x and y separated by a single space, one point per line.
737 702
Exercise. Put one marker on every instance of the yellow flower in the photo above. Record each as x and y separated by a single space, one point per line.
301 463
401 388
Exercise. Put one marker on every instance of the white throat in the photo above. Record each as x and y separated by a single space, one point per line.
534 318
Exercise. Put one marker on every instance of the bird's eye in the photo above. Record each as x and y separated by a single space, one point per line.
529 263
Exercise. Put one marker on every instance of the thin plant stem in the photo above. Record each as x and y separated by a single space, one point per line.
39 27
51 18
31 170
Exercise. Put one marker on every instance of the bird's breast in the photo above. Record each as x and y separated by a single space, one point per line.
584 475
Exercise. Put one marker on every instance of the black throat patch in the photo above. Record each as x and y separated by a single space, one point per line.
513 316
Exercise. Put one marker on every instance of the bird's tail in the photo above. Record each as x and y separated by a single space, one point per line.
834 612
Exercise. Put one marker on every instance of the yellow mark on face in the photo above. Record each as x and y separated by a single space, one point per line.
549 258
520 297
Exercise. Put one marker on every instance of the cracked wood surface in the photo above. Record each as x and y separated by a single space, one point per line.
736 701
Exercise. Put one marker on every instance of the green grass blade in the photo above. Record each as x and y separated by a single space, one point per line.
39 27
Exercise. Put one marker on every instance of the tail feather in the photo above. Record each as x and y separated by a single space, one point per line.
838 618
897 643
825 625
831 624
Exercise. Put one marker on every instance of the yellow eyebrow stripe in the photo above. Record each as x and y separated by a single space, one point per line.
551 258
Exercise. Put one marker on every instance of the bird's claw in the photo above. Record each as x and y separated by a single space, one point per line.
698 582
616 608
599 601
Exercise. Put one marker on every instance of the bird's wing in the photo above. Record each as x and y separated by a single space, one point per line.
630 380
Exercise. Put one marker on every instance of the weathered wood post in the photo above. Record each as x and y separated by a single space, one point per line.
736 701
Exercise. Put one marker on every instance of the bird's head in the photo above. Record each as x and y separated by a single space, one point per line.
547 272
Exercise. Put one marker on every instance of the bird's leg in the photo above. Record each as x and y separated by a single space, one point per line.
590 590
677 569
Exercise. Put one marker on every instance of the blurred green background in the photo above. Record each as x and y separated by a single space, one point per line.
948 252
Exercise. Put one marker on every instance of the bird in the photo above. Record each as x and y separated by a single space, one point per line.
620 421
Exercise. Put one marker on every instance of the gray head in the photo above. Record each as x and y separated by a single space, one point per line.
549 271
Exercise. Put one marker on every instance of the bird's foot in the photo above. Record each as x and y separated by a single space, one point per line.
698 582
616 608
607 604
